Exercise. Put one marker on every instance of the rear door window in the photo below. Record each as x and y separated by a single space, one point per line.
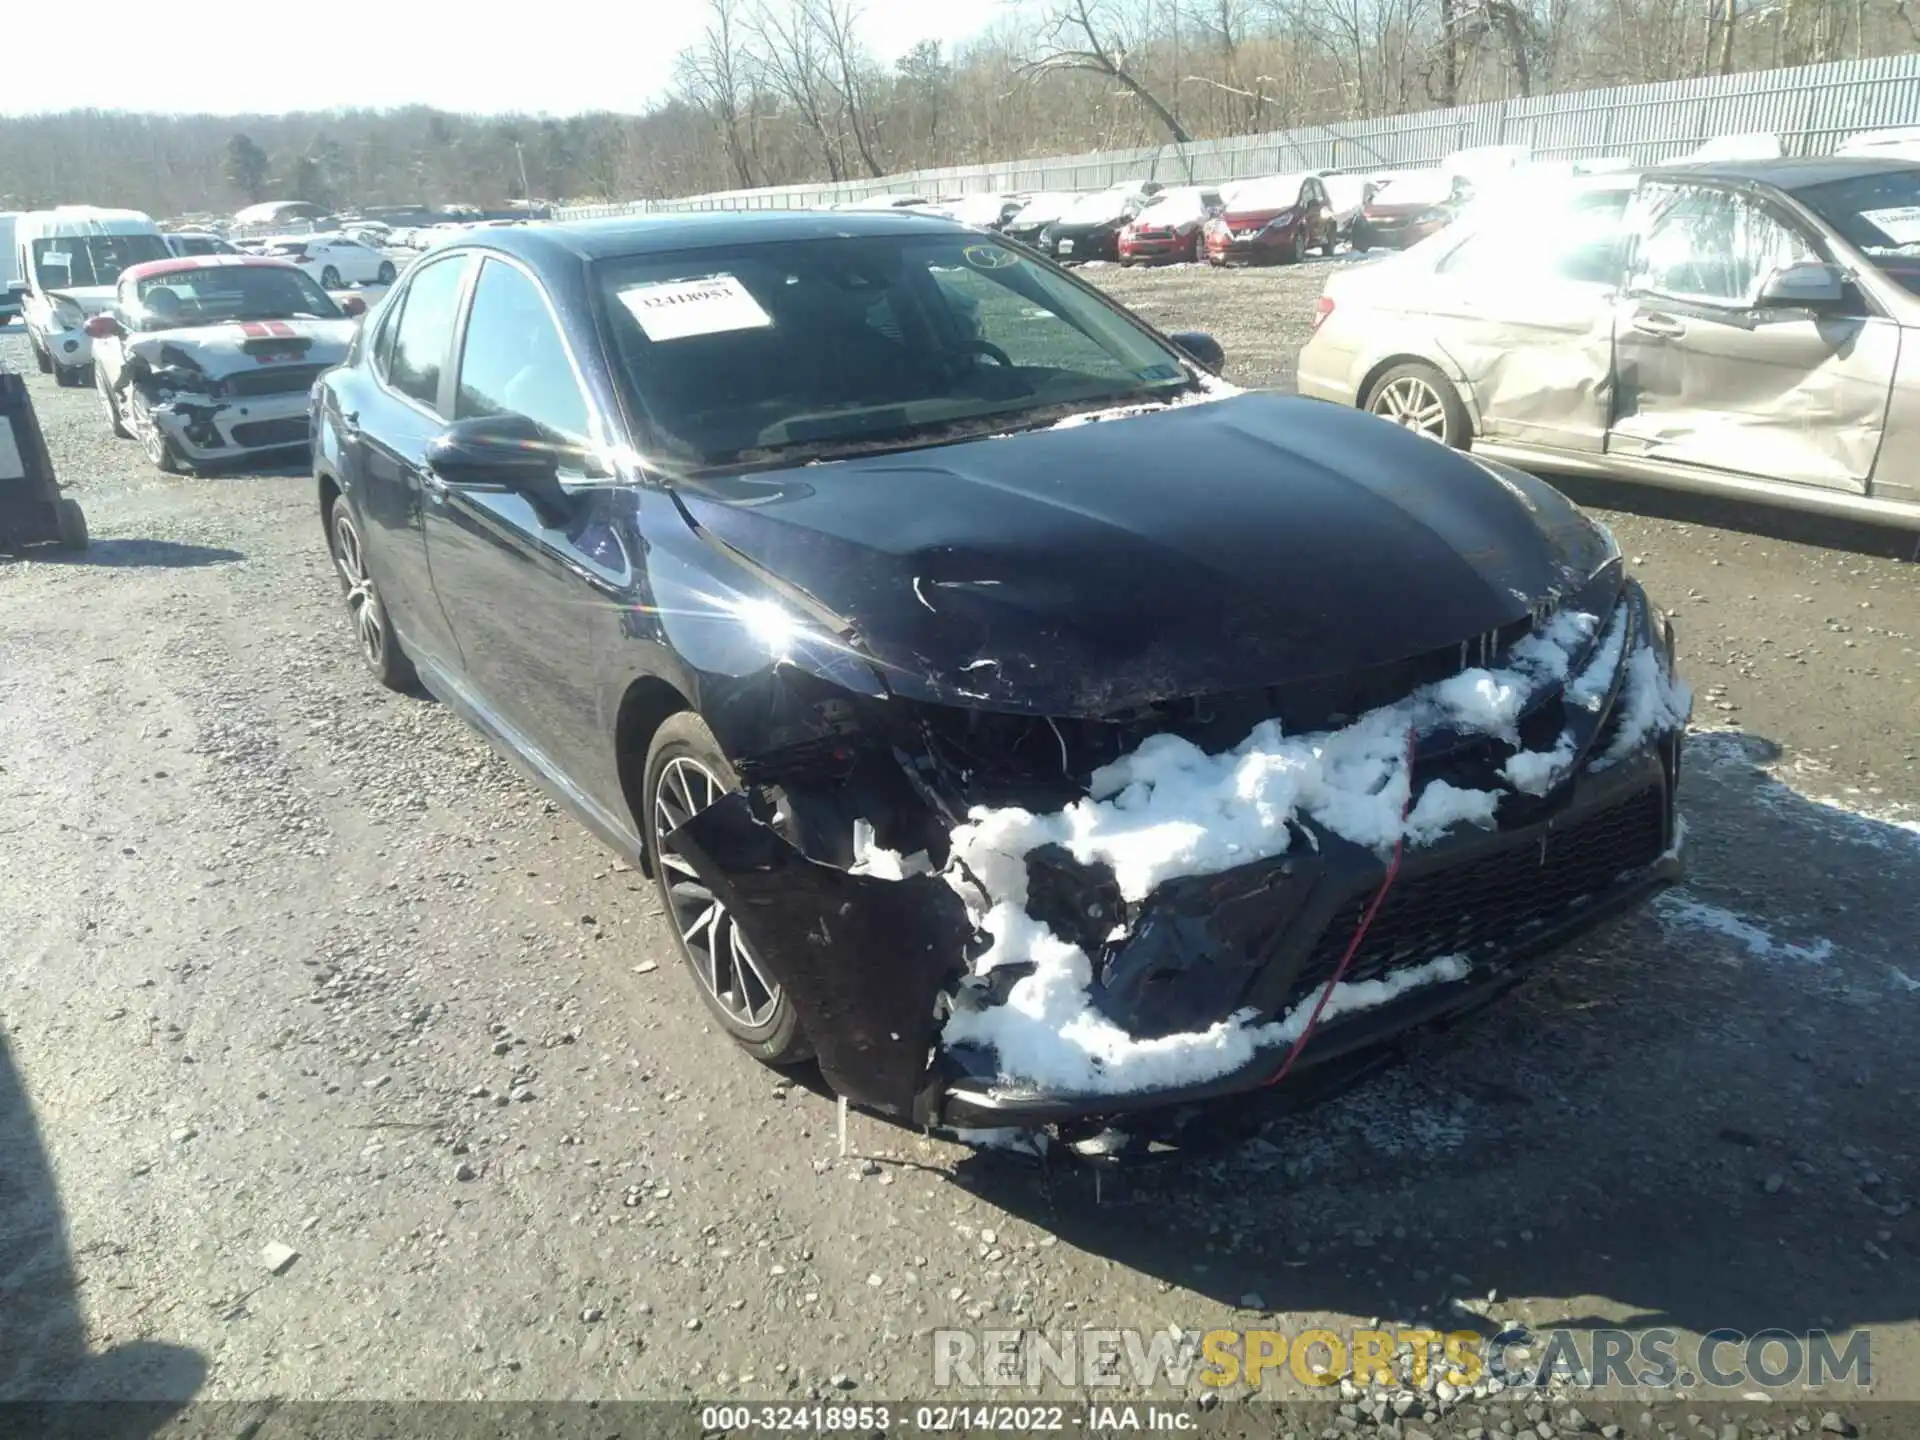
424 334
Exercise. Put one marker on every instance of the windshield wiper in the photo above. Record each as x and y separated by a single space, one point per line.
933 433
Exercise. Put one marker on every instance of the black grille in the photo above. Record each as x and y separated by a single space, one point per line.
1489 899
255 433
274 380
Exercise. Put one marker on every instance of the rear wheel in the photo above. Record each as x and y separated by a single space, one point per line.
387 272
329 279
687 772
379 646
41 359
1418 397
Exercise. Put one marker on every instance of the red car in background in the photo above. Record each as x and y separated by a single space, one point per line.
1275 218
1171 227
1405 209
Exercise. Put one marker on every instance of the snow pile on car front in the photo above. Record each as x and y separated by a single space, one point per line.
1169 810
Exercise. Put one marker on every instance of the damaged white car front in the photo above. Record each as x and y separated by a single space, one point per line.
209 361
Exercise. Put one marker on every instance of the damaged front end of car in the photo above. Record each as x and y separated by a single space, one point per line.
850 858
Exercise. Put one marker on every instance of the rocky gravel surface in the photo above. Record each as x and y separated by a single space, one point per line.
339 1064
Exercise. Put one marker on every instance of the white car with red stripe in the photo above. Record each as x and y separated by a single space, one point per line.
208 359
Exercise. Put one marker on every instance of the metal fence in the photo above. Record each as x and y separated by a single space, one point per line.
1812 108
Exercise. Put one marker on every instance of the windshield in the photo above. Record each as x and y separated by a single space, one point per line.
63 260
750 353
1426 187
1268 192
1176 207
1879 215
229 292
1100 207
1042 209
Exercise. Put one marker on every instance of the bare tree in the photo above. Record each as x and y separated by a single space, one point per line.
834 21
714 74
1081 35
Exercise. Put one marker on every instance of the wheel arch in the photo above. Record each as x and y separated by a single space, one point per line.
644 708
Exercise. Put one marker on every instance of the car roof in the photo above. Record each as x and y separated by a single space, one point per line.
1787 174
628 235
179 264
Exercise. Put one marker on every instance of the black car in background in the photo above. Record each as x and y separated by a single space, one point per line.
1089 228
774 546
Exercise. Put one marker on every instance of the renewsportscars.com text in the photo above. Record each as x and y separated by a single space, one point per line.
1464 1359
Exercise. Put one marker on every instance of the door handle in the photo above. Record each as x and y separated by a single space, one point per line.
350 421
1659 325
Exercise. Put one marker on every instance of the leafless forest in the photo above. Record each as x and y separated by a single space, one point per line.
780 91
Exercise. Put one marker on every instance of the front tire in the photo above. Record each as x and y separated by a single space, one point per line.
387 273
71 524
329 279
111 404
41 359
687 772
1418 397
379 646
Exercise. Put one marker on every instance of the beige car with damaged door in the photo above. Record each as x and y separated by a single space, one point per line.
1731 327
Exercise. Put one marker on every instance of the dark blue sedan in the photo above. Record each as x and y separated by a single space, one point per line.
802 555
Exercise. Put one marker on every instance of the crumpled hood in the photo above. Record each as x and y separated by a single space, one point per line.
1244 542
222 350
93 299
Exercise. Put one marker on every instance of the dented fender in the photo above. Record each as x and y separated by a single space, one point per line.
862 960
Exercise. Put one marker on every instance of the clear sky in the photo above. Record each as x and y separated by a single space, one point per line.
557 56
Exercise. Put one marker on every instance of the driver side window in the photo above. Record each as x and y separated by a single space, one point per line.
514 362
1709 245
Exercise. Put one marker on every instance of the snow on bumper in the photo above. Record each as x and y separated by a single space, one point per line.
208 429
1167 939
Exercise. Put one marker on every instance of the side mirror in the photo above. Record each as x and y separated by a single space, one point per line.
1202 347
1809 283
353 305
104 327
503 453
20 289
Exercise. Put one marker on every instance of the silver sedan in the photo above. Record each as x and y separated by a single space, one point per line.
1744 327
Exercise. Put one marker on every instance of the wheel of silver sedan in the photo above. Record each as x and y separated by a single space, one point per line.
722 956
1410 401
362 604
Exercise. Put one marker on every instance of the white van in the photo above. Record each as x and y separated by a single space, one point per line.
69 258
9 268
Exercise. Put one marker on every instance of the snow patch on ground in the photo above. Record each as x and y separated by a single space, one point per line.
1676 906
1169 810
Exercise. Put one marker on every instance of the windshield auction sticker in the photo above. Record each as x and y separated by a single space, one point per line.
676 309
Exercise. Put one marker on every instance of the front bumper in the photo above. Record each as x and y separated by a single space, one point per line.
1156 247
1394 234
1260 249
208 430
69 349
1626 811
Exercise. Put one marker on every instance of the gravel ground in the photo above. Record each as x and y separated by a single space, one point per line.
295 962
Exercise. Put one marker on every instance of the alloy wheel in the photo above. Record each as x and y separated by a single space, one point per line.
1409 401
722 956
362 603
